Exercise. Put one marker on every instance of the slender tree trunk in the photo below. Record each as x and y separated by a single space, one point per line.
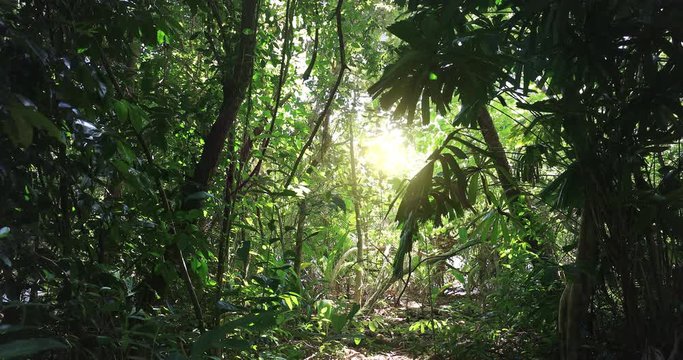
299 238
495 147
504 171
575 301
65 207
234 92
226 224
359 228
246 247
298 247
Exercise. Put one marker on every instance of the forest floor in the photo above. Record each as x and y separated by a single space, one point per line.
351 354
393 338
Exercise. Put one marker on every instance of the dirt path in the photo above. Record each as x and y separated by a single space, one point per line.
391 340
390 337
351 354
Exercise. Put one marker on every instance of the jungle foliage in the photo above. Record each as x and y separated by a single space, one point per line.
282 179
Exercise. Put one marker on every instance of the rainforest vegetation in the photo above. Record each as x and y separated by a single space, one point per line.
370 179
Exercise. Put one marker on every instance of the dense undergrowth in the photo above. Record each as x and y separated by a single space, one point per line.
283 179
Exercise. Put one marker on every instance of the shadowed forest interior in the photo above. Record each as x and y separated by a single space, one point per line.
371 179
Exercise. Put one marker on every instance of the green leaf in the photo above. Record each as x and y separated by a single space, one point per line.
125 152
462 234
406 30
473 188
38 121
405 245
390 97
4 232
424 107
126 111
372 326
457 185
338 321
18 130
121 109
162 38
458 276
136 118
457 152
416 192
288 302
122 167
353 311
199 195
394 72
28 347
566 190
217 337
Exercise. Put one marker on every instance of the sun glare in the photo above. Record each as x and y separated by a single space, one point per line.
391 154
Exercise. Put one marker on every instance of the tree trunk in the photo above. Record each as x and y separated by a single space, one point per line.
495 147
226 223
575 301
359 228
504 171
299 238
234 91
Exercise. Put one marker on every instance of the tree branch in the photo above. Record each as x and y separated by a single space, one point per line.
333 93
